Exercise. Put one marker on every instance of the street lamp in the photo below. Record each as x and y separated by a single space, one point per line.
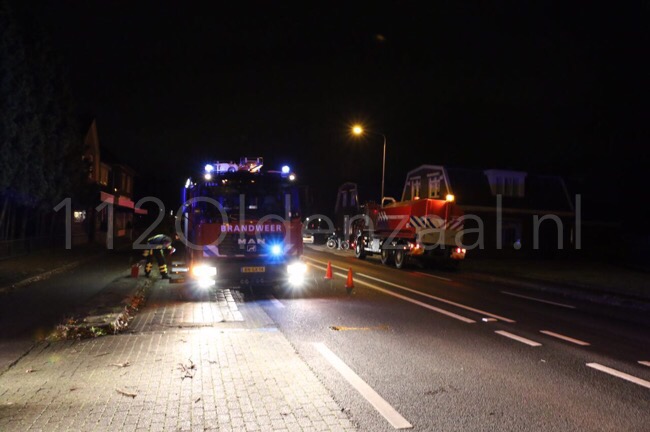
358 130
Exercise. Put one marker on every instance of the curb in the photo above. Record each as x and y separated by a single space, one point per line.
107 319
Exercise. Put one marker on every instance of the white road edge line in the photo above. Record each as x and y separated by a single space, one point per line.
409 299
518 338
538 300
440 299
566 338
380 404
644 363
277 303
620 374
508 320
433 276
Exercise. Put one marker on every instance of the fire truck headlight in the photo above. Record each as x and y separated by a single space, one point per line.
204 271
205 275
297 272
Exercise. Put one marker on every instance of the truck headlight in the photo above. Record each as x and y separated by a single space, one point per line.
205 275
297 272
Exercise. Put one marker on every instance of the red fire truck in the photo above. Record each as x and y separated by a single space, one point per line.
242 226
423 229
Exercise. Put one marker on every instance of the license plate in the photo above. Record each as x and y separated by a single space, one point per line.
253 269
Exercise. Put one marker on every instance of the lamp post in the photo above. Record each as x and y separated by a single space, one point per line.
358 130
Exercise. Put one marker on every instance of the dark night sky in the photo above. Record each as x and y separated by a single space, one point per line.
544 87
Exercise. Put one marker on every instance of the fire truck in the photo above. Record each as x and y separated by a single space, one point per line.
242 226
420 229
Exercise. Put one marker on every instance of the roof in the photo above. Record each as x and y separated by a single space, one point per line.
542 192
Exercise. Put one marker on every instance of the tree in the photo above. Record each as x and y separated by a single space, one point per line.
40 145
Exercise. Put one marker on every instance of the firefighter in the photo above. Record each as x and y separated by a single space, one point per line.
160 245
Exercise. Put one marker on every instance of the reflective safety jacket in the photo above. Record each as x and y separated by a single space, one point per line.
160 241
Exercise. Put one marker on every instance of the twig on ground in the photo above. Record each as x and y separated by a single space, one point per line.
122 365
188 370
122 392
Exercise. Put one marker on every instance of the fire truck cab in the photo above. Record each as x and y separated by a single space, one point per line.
421 229
242 227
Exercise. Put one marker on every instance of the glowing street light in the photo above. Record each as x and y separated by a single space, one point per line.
358 130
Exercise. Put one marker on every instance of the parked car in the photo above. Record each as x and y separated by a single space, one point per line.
225 167
307 238
318 229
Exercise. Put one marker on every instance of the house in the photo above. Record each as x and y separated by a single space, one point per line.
110 220
505 211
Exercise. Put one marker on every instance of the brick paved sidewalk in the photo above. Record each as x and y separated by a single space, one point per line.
183 370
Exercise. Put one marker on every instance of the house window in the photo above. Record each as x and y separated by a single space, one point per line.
511 231
434 187
79 216
415 188
506 183
129 185
500 188
125 183
103 175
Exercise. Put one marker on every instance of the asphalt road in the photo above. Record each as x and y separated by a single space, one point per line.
429 349
444 352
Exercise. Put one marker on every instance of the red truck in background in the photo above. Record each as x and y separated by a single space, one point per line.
422 229
242 226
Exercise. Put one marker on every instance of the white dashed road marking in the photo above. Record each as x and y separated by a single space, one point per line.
518 338
619 374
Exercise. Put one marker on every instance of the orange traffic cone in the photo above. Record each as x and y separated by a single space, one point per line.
349 284
328 272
